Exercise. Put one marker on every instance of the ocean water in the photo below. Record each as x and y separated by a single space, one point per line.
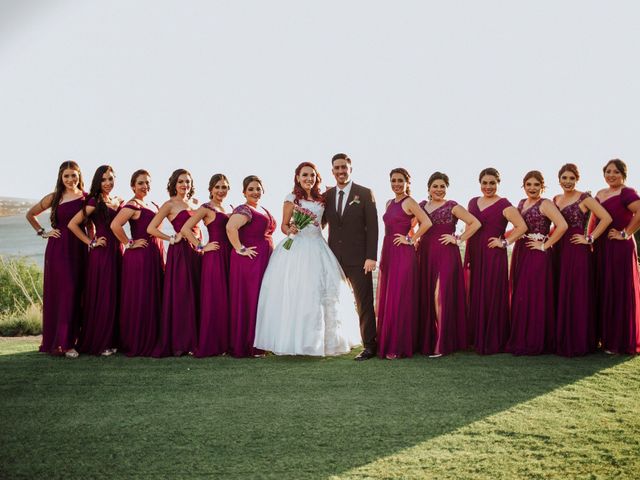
19 239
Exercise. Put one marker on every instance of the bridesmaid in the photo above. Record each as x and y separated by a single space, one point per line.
142 271
64 263
486 265
532 288
443 316
249 232
618 284
213 338
98 335
397 304
575 312
180 300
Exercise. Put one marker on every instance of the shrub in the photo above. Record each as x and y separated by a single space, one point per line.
20 285
26 322
20 297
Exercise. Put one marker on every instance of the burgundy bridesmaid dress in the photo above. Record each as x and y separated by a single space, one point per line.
575 312
214 291
532 292
488 276
141 288
441 287
180 296
102 288
245 278
618 284
397 305
64 267
179 318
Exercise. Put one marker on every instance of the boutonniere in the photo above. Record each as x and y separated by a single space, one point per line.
356 200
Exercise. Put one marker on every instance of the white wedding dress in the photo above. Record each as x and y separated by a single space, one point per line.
305 305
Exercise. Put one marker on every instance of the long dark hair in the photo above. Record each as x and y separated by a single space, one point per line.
96 193
58 191
300 192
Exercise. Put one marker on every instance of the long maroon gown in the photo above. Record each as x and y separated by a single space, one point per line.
397 306
488 277
575 311
64 266
102 288
532 289
214 291
245 278
141 288
618 284
180 296
443 315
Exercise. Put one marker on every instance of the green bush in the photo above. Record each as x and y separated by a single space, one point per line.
20 297
26 322
20 285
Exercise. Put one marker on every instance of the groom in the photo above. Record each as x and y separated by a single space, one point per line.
350 211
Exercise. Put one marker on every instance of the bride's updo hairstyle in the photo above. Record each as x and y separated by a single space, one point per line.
300 192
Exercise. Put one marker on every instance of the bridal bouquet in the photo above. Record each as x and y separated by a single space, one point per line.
301 218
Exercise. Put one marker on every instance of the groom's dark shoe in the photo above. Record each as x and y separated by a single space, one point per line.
365 354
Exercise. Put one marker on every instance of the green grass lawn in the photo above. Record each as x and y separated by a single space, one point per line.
462 416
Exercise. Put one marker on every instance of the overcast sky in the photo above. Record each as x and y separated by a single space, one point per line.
255 87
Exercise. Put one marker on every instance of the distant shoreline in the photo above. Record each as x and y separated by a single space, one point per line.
11 207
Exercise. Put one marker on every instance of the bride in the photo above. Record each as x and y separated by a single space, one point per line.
305 307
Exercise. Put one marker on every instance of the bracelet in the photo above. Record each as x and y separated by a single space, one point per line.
172 239
92 244
624 234
505 242
40 232
241 250
589 239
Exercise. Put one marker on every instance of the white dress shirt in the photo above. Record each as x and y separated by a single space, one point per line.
346 190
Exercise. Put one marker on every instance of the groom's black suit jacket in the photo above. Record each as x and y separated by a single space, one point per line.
354 237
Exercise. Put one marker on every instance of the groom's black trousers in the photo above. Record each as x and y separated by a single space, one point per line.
363 291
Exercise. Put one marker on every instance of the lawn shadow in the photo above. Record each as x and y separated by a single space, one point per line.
274 417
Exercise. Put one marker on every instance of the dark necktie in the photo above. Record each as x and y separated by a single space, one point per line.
340 199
